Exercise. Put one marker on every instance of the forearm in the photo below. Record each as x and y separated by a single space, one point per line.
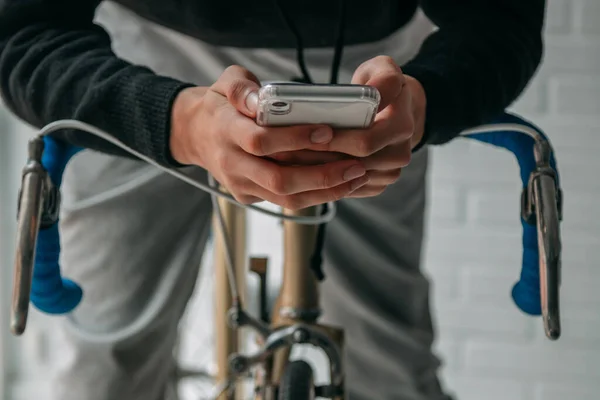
477 63
52 68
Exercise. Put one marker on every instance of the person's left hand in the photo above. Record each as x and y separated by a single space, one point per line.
386 147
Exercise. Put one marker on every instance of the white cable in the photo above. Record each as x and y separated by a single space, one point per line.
82 126
154 306
226 240
305 220
534 134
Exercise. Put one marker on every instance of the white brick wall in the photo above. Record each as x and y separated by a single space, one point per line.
491 351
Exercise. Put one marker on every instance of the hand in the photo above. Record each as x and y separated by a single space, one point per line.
213 127
387 146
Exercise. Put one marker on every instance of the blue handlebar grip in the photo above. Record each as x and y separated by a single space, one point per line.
50 292
526 292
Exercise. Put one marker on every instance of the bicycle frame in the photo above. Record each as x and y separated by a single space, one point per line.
296 311
228 340
37 275
294 317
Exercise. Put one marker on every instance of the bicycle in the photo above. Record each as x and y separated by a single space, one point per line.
294 319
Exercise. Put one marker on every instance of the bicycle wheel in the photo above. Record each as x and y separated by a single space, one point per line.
297 382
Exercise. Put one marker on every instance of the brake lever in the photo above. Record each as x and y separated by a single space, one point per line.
542 206
32 195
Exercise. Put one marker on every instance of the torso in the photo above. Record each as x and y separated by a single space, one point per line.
257 23
174 53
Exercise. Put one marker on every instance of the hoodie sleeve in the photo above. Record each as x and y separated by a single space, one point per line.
477 63
55 63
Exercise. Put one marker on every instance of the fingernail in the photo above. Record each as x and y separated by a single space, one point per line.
354 172
358 183
321 135
252 101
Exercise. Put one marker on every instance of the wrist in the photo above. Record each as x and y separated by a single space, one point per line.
419 105
186 105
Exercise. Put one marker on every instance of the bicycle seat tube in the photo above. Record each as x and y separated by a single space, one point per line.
298 299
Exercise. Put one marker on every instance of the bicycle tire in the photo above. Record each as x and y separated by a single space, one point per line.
297 382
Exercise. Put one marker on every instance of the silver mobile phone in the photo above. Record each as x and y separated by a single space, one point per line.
339 106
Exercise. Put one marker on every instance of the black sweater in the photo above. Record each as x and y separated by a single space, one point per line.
55 63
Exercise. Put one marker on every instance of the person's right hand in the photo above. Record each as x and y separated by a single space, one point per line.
214 128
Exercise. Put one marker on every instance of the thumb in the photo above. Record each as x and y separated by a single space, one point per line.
383 74
240 86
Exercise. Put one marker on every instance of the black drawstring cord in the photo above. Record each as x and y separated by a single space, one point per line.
339 43
316 261
299 45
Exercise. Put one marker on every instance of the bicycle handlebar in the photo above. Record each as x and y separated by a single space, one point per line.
37 276
537 291
37 269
